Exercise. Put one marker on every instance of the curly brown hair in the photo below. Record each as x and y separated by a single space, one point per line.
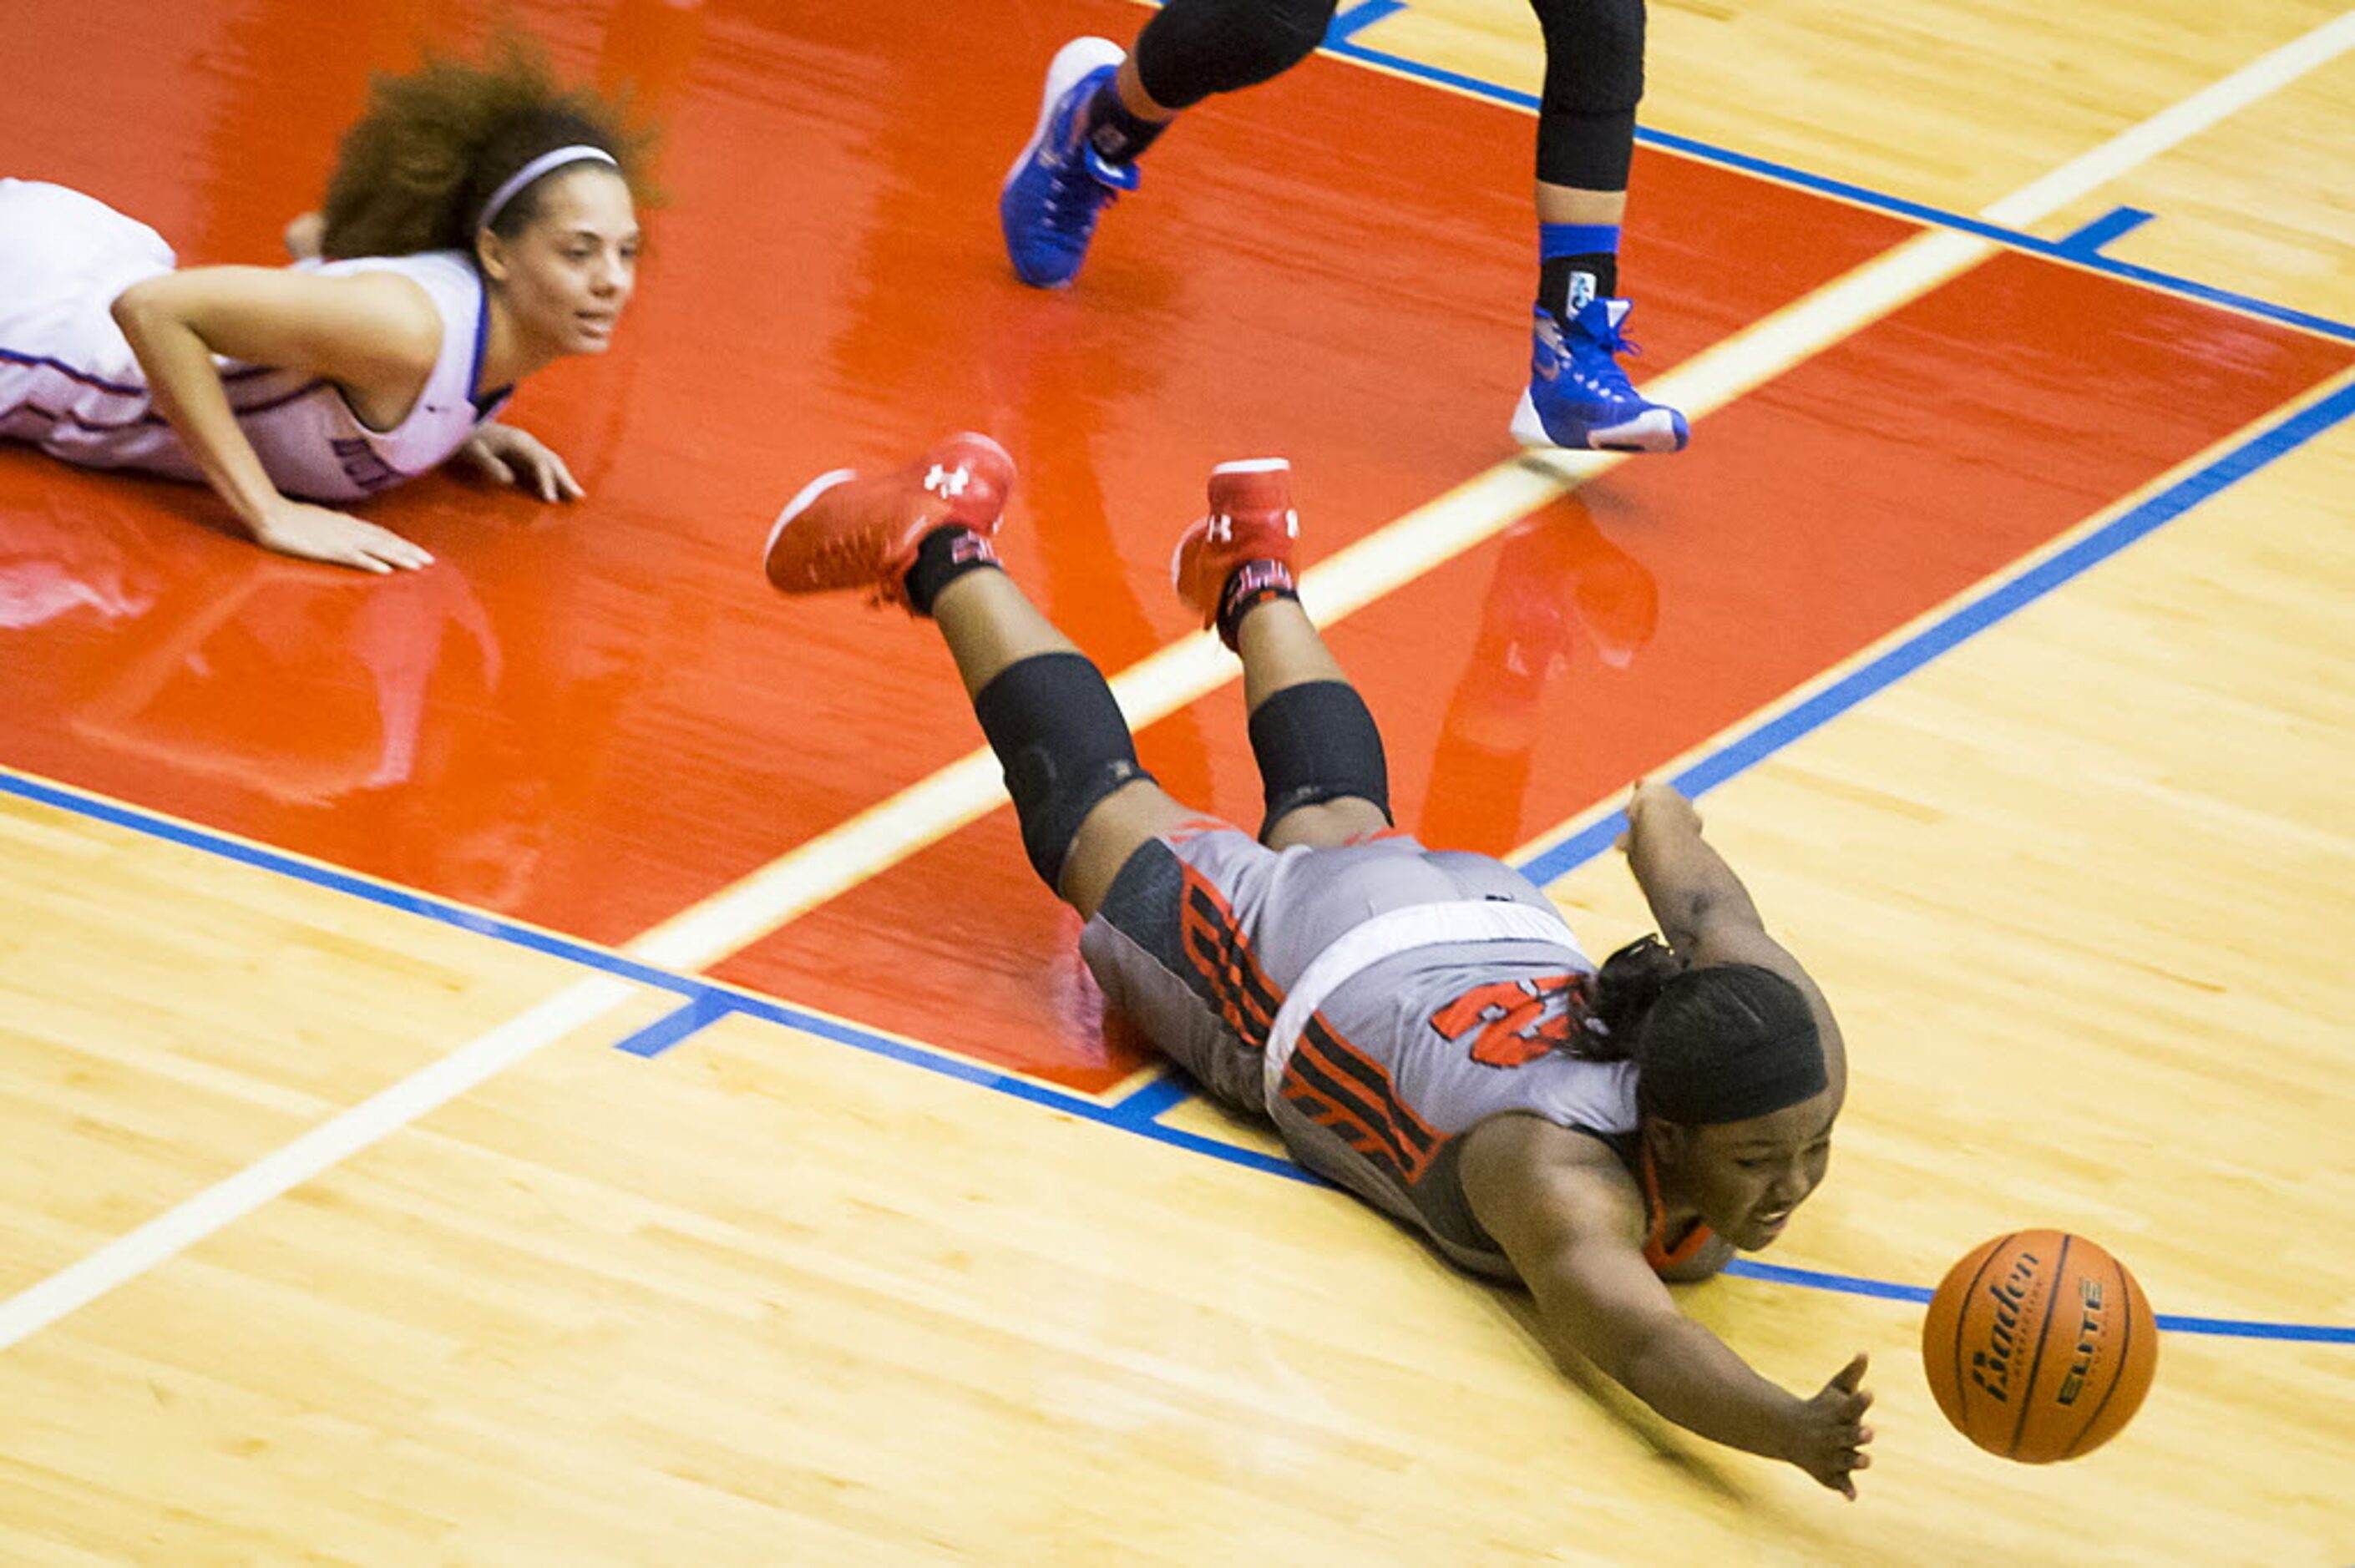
414 173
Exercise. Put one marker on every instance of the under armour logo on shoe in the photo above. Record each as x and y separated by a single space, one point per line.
949 482
1221 529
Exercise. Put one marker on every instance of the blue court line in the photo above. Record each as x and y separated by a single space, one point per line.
1358 18
1134 1115
1861 196
154 824
1747 750
667 1031
1156 1098
1815 1280
2089 239
2178 1323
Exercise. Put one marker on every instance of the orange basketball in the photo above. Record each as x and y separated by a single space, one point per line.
2039 1346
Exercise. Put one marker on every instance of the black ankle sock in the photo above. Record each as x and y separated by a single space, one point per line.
1555 281
1116 134
1248 586
946 555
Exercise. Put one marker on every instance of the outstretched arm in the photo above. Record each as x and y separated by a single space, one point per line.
1572 1222
365 332
1705 913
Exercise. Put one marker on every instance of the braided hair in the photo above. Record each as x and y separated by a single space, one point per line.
1620 997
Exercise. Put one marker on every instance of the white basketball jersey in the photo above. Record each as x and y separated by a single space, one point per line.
69 384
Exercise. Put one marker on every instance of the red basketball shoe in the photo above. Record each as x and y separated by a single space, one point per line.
849 530
1251 522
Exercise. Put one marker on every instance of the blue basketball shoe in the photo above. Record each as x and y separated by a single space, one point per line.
1052 195
1579 396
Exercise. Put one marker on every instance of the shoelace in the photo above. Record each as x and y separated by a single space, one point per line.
1074 198
1605 376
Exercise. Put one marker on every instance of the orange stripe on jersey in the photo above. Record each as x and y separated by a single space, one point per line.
1331 1114
1330 1070
1338 1053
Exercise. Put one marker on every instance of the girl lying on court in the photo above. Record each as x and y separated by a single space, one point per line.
486 226
1420 1025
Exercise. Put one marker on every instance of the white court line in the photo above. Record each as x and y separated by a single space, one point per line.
2207 107
328 1144
1155 686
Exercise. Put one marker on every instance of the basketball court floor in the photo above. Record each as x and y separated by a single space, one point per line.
558 1057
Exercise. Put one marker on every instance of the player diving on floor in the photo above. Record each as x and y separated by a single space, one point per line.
1419 1024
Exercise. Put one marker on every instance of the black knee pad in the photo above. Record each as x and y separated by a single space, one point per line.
1060 736
1315 742
1594 79
1594 54
1192 48
1586 152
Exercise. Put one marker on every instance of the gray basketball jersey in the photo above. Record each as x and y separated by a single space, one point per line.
1461 981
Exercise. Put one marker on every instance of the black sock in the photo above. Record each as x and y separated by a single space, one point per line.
1248 586
1117 135
946 555
1557 283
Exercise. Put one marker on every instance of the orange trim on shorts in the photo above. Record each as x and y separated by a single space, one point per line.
1213 942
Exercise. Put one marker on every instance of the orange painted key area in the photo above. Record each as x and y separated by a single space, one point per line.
593 718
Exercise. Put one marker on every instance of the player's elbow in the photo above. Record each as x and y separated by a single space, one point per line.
138 308
1690 916
1710 917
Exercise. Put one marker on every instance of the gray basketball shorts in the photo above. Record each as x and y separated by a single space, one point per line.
1206 930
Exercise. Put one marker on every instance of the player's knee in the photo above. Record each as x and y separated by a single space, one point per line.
1194 49
1595 55
1315 743
1286 33
1064 746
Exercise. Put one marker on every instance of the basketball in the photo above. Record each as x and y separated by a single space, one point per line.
2039 1346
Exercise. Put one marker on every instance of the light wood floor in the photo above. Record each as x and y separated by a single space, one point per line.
2080 890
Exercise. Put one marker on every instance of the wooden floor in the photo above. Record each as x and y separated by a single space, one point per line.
815 1284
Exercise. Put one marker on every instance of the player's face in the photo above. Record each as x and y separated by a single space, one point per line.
1745 1177
569 273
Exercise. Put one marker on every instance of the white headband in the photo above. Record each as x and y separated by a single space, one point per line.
533 170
